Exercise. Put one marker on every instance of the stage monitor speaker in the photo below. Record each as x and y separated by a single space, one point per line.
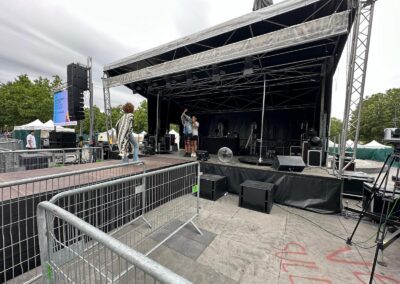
288 163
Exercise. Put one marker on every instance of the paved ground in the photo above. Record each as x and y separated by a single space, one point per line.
283 247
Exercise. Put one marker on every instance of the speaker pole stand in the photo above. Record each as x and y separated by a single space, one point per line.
262 122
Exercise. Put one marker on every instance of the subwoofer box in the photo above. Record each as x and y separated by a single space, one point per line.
288 163
213 186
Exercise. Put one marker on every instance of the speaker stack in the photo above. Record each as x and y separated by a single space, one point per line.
59 140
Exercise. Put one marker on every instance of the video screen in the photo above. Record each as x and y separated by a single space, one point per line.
61 114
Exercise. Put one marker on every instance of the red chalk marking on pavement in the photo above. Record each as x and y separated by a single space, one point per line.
322 280
284 266
380 277
285 250
333 257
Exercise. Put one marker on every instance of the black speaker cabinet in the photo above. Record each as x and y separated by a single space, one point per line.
314 158
295 150
213 186
288 163
256 195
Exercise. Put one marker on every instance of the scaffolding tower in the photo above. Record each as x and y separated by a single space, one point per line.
356 80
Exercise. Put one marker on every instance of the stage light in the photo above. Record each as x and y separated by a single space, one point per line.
248 66
189 78
215 73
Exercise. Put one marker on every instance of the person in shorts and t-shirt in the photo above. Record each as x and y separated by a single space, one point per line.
187 132
195 135
31 141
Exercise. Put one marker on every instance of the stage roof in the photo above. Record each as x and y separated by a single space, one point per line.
294 45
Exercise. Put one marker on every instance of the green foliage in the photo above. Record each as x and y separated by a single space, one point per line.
378 112
174 127
141 123
23 100
335 127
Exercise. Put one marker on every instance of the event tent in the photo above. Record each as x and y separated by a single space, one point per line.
34 125
51 125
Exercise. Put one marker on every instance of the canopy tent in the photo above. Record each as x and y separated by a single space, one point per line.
34 125
219 73
375 145
51 125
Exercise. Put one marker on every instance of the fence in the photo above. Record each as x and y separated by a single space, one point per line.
9 144
133 211
22 160
19 252
85 254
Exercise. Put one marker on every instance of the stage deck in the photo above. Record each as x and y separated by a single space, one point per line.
75 178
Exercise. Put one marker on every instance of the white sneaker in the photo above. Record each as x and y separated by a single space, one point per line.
194 155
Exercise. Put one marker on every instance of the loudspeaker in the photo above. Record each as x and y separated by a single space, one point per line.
256 195
314 158
288 163
213 186
77 80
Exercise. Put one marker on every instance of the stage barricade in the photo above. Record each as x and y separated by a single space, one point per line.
22 160
19 244
126 212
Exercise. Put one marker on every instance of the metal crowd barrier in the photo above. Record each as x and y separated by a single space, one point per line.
10 144
19 245
133 211
22 160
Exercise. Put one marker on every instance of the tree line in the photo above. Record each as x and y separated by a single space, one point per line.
379 111
24 100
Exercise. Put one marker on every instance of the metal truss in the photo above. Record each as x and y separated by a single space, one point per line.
356 79
107 108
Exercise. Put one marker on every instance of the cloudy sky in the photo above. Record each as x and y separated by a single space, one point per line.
40 37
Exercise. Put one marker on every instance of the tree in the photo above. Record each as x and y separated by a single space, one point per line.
141 123
378 112
23 100
335 127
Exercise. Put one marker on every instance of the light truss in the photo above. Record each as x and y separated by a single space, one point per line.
356 79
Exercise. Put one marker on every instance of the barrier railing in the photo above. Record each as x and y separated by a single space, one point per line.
22 160
73 251
19 246
133 211
11 144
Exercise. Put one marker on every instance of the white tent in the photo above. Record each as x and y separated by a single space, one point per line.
50 124
331 143
375 145
34 125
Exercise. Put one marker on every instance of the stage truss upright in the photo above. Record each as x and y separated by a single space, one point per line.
356 79
107 109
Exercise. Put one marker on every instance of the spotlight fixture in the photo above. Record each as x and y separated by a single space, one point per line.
248 66
215 73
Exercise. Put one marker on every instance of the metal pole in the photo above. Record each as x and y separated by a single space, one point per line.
157 122
89 65
262 121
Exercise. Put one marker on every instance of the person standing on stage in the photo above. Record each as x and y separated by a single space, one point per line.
195 135
125 136
187 132
31 141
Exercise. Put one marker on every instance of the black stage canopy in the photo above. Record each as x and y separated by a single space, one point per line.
219 73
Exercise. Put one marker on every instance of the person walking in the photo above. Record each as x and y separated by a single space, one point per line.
31 141
125 136
187 132
195 135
